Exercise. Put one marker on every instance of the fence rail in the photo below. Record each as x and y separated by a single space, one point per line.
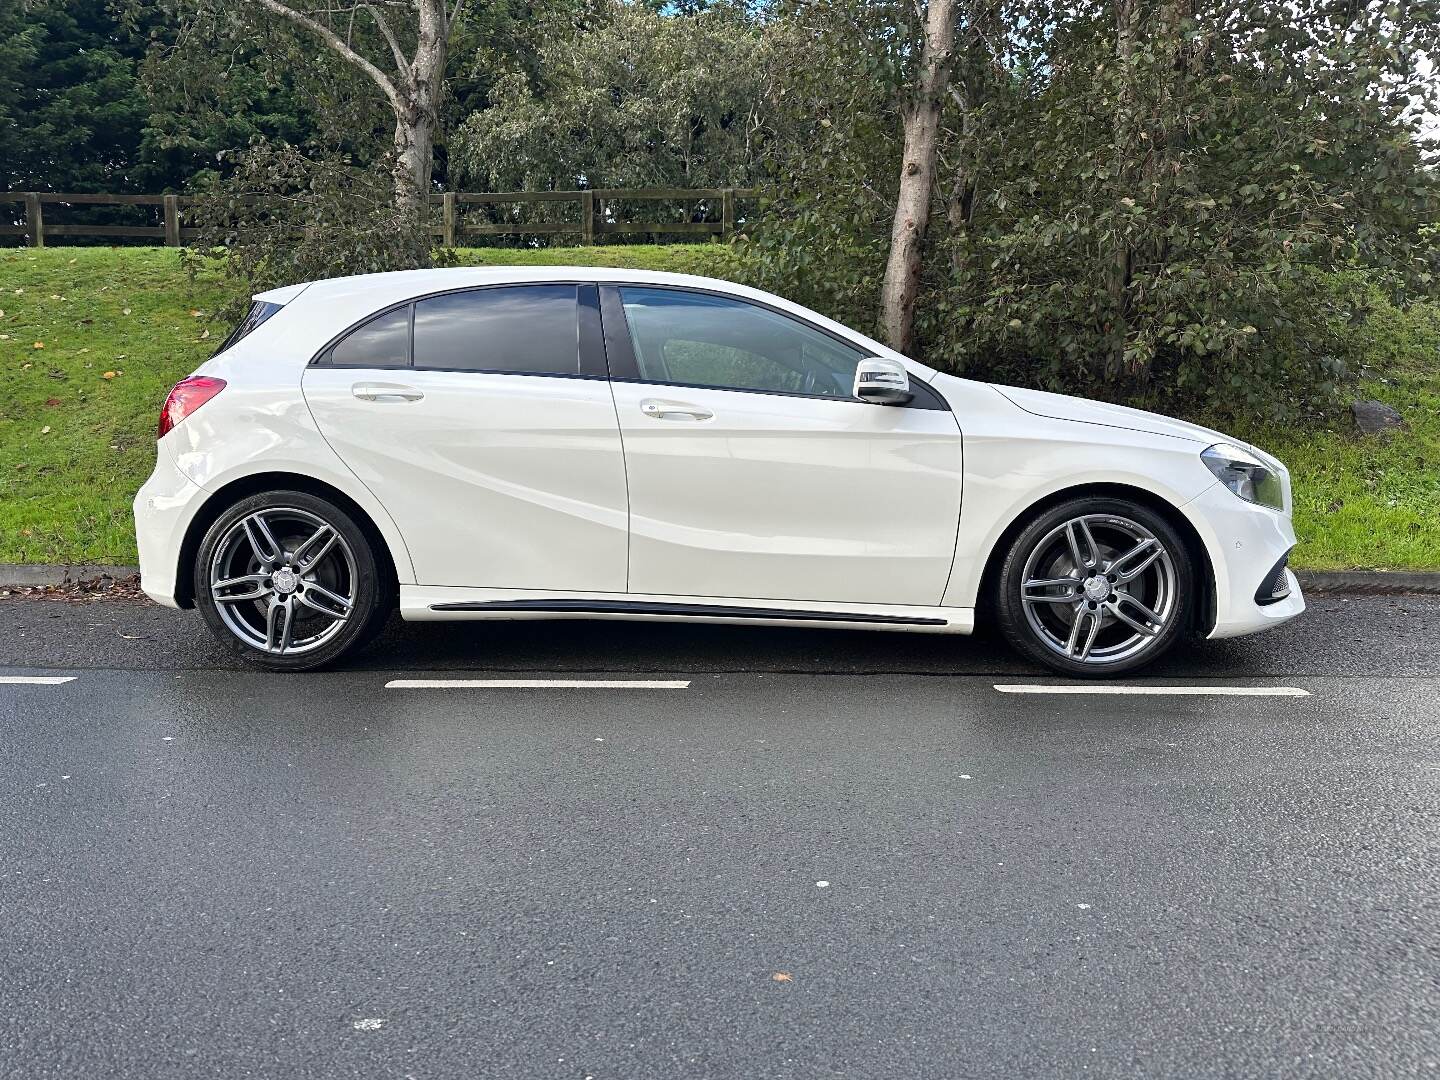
596 216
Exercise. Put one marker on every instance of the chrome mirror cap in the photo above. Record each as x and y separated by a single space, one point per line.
882 382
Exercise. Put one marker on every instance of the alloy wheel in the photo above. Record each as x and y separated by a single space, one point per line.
283 580
1099 589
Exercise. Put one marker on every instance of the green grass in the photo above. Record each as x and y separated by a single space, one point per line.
65 492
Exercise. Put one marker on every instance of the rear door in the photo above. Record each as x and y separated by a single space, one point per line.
483 421
753 470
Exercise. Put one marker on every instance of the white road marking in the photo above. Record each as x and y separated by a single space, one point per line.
37 680
538 684
1170 691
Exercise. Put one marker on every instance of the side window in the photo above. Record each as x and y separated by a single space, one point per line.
383 342
701 340
530 329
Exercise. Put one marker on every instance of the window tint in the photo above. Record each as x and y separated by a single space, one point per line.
384 341
522 328
685 337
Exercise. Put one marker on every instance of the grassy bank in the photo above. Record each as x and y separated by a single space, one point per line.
91 339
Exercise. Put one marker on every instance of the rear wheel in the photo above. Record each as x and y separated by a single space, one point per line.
1096 587
289 581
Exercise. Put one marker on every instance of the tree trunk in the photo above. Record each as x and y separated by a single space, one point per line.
1126 146
921 118
417 110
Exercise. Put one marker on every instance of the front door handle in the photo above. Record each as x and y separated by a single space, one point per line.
673 410
385 392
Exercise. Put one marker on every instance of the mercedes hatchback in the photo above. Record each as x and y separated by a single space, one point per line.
566 442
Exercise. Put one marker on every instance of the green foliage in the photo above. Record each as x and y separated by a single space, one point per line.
283 216
1137 193
626 97
71 110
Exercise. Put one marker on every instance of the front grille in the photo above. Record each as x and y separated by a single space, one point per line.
1276 586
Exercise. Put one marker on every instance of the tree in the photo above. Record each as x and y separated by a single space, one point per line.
921 120
413 87
71 109
397 47
1154 200
628 97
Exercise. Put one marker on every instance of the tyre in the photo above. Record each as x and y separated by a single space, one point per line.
290 582
1096 587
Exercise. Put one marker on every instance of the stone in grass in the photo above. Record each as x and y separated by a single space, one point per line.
1375 417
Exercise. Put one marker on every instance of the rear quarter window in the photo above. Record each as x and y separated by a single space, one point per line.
260 310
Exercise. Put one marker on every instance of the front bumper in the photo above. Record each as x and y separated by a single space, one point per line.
1245 542
164 507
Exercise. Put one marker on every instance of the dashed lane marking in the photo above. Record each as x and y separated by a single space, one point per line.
1163 691
37 680
538 684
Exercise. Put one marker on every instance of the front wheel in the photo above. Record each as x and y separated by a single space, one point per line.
289 581
1096 587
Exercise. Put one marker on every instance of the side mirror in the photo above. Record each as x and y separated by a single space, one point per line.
882 382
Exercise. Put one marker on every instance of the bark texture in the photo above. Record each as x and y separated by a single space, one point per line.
921 119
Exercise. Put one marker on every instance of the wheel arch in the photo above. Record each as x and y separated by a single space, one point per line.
1204 610
254 484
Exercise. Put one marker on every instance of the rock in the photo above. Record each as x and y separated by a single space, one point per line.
1375 417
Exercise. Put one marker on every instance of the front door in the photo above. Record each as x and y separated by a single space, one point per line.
488 435
754 473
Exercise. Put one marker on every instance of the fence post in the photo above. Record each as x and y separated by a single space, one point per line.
727 212
587 218
34 219
172 221
449 211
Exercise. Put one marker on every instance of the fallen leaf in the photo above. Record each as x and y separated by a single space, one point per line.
56 296
108 375
50 403
45 430
39 345
205 335
783 976
196 314
19 291
125 311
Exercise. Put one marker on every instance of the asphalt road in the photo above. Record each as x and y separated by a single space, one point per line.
214 873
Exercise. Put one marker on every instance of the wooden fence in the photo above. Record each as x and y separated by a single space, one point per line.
595 218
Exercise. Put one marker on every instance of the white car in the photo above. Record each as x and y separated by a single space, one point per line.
568 442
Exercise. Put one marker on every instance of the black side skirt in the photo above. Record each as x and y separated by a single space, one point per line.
699 611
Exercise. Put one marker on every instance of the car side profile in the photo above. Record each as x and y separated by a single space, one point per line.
567 442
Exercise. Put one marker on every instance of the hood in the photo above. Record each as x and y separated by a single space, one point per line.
1084 411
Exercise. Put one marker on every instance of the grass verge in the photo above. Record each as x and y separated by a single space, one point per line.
92 338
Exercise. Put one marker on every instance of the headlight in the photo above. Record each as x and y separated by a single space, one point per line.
1245 474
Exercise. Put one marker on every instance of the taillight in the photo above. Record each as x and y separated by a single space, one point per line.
185 397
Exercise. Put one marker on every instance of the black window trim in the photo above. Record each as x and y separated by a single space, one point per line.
590 349
620 349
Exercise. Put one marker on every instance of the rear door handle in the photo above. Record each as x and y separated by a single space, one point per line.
674 410
385 392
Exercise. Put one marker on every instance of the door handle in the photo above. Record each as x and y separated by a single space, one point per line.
673 410
385 392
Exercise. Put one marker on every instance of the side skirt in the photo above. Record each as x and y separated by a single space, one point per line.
428 603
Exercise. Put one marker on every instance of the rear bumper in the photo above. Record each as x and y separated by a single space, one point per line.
1244 542
164 507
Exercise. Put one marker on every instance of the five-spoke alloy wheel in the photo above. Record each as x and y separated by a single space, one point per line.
1096 587
289 581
